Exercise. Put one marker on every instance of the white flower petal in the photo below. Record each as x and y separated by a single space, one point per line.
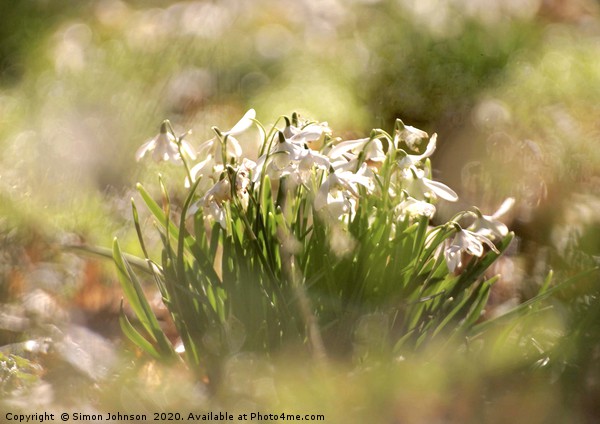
374 151
207 147
321 197
504 207
144 148
346 146
307 135
453 256
165 150
338 207
410 135
243 124
485 240
414 207
217 213
188 149
194 207
258 170
204 168
233 147
311 159
440 190
470 244
431 146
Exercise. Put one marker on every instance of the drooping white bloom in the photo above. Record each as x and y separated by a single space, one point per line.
209 167
164 146
309 159
468 242
371 148
243 180
212 202
295 151
420 187
312 135
339 192
413 207
279 160
405 161
288 158
489 225
216 212
411 136
213 146
243 173
336 204
211 150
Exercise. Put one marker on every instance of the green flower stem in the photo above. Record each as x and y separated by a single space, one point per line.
258 250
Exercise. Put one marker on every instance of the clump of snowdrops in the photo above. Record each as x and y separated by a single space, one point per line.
320 244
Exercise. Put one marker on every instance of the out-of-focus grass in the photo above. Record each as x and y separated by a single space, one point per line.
430 59
502 376
512 373
23 25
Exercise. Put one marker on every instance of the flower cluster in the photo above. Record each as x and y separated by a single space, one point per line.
335 176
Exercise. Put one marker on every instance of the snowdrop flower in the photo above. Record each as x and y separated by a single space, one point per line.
413 207
216 212
209 167
420 187
372 149
339 191
164 146
337 204
405 160
283 154
411 136
219 193
289 158
312 135
242 181
242 175
488 225
212 202
465 242
211 150
213 146
345 155
309 159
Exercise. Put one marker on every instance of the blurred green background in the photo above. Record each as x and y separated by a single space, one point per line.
511 87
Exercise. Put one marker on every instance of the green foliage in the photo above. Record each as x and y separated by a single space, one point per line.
325 247
16 372
21 24
424 68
